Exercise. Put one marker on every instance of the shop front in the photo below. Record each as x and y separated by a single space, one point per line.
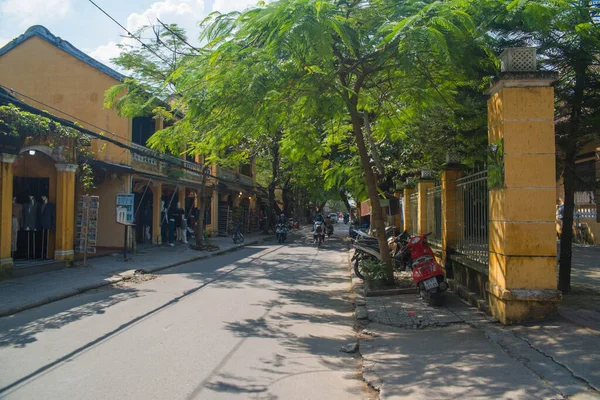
38 190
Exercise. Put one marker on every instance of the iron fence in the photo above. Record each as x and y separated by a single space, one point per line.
414 213
434 215
472 217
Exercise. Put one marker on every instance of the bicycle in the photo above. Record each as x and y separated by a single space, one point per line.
238 236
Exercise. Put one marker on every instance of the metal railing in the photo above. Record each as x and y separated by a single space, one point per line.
414 213
472 217
145 155
192 168
434 215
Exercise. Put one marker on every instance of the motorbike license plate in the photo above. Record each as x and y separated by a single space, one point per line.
431 283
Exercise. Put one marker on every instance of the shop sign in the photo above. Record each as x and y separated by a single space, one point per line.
125 212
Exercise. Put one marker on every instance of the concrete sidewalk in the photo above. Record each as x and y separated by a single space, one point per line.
31 291
413 351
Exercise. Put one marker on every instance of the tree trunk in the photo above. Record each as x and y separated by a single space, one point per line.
569 176
566 237
376 213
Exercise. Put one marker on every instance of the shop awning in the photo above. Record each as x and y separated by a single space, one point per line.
170 181
110 167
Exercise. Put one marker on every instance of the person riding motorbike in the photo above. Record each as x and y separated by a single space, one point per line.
319 219
328 224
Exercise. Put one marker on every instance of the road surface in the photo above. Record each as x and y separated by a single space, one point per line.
265 322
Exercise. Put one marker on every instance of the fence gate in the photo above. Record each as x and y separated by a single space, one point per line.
472 217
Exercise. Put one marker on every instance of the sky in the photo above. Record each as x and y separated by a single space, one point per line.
87 28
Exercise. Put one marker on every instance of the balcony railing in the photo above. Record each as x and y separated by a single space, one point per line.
145 155
246 180
192 168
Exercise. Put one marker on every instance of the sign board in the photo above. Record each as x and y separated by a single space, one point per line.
125 212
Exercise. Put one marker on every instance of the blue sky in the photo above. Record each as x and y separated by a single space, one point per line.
82 24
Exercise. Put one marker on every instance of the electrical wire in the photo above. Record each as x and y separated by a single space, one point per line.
178 36
131 34
180 163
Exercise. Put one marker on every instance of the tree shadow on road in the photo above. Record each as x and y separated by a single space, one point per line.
21 329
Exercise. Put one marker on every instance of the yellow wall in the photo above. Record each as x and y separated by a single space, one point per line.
110 234
39 70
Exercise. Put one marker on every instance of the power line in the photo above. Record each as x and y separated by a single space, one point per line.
119 143
130 34
180 163
178 36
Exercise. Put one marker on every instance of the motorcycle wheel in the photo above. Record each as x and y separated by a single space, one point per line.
358 269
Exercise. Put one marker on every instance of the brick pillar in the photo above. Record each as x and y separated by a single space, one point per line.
65 211
6 195
449 177
156 209
407 207
422 187
522 190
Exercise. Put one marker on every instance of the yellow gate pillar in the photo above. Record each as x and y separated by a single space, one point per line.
65 211
6 194
522 191
408 222
156 212
449 228
422 187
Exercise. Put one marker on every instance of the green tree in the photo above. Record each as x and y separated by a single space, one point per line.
327 61
567 34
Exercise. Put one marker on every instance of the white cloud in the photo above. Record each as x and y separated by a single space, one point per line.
185 13
226 6
4 41
29 12
105 53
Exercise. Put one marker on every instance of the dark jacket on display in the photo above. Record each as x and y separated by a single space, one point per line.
48 216
30 216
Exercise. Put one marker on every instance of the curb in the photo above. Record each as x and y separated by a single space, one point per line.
118 278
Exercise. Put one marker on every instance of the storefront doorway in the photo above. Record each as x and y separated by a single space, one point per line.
32 239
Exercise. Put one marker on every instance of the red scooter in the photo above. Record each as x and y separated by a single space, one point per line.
426 271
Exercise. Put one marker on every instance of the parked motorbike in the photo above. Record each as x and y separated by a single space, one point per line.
281 232
426 271
319 233
329 230
367 246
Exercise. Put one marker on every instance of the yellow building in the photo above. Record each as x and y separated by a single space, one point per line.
49 73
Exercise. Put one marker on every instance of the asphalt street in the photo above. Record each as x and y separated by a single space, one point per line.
265 322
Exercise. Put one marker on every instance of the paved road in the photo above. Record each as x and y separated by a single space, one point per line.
266 322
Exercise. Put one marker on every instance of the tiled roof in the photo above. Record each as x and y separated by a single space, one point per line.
45 34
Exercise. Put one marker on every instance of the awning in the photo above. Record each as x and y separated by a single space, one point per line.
170 181
110 167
